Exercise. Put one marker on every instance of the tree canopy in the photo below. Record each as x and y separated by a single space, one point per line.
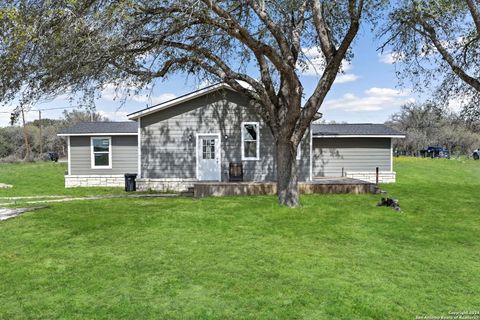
255 46
436 44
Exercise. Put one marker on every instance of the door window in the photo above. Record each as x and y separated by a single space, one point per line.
208 149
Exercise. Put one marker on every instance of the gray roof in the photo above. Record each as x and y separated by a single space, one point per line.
102 127
354 129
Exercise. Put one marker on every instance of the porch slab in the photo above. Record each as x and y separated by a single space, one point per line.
340 185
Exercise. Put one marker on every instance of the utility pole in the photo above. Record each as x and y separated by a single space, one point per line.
40 127
25 136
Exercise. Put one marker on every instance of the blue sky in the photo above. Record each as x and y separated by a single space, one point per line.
366 92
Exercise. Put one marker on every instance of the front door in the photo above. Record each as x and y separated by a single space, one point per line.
208 157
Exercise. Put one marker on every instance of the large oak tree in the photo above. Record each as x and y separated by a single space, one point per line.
49 47
436 44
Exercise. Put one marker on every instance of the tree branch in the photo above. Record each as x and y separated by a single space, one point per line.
297 30
240 33
431 34
331 70
275 30
323 32
475 14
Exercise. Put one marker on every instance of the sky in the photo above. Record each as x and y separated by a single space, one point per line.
367 91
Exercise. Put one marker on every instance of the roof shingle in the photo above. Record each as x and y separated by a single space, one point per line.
102 127
360 129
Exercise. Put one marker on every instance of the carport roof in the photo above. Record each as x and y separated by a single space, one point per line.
355 130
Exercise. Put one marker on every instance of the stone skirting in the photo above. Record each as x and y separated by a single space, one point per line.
320 186
167 184
383 176
94 181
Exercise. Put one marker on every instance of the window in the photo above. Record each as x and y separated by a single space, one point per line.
299 151
101 153
208 149
250 141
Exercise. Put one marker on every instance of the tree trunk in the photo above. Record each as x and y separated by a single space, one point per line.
287 180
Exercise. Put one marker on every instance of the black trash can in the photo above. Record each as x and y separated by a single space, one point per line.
130 183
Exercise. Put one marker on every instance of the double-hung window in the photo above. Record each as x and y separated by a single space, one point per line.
250 141
101 152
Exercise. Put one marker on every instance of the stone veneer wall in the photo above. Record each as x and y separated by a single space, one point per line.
94 181
383 176
176 185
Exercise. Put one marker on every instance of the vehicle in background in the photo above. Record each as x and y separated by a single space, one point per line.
435 152
476 154
53 156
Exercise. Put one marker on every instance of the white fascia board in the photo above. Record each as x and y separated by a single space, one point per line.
358 136
174 102
97 134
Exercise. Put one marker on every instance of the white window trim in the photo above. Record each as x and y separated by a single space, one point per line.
391 155
92 157
69 157
258 141
311 153
299 151
139 146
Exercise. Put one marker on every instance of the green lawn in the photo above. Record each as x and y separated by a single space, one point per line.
337 257
42 178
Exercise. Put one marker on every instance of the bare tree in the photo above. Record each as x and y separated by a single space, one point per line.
85 44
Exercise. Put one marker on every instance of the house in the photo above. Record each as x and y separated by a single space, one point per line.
195 137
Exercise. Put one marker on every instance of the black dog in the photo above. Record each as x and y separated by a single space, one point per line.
388 202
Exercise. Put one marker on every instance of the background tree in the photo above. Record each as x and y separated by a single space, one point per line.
431 125
12 139
80 46
73 117
436 44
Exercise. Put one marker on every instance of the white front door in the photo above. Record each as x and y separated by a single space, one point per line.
208 157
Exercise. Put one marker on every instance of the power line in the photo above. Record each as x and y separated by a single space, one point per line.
46 109
59 108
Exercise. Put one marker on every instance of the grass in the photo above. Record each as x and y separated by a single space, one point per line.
337 257
42 178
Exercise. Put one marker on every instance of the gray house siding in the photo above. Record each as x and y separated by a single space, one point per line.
330 155
168 139
124 156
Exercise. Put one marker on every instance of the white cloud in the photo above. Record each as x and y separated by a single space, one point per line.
205 83
374 99
113 92
390 57
114 115
315 63
456 103
344 78
151 100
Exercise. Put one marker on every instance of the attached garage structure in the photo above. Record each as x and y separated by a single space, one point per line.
100 153
353 150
